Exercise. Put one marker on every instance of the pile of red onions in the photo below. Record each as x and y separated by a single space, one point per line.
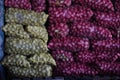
85 37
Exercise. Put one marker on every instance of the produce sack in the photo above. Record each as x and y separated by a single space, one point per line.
16 60
34 71
15 30
38 32
38 5
22 4
25 17
24 46
42 58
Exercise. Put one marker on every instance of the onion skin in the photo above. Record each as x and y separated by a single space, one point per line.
58 30
101 5
61 3
68 14
63 56
112 45
38 5
21 4
108 20
71 44
89 30
85 57
109 68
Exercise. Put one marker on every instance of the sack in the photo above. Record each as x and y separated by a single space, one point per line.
24 4
15 30
34 71
43 58
38 32
25 46
25 17
16 60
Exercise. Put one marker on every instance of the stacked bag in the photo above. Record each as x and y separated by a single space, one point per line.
85 37
26 40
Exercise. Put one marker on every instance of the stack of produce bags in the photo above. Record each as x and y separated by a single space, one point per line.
85 37
26 41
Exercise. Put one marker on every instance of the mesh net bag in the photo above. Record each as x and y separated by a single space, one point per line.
16 60
38 32
25 17
24 4
34 71
15 30
24 46
43 58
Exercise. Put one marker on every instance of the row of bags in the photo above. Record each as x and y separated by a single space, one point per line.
26 44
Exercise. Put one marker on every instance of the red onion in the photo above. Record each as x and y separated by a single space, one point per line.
72 44
23 4
111 45
58 30
72 13
59 2
109 68
102 5
109 20
85 57
117 5
89 30
38 5
63 56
